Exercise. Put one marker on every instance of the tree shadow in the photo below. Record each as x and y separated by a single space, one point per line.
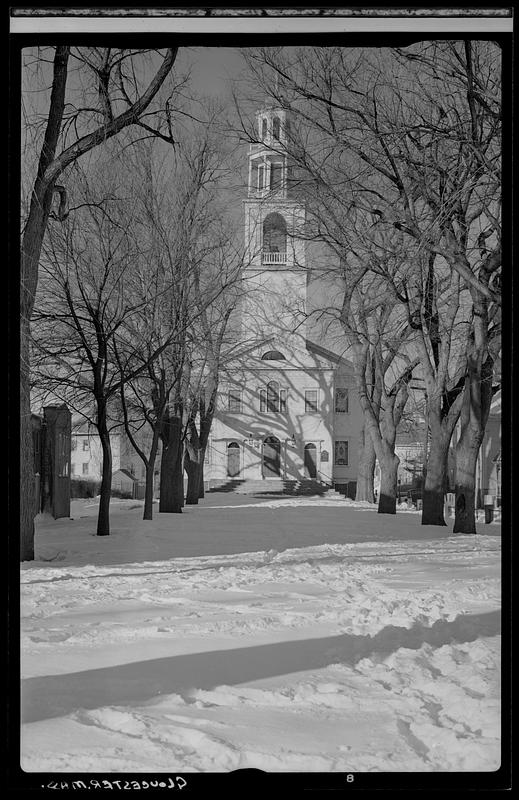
50 696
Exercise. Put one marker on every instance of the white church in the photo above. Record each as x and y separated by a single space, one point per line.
290 412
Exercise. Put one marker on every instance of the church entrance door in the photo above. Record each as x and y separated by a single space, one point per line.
271 457
310 460
233 459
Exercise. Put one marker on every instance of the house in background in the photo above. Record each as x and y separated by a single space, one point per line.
128 470
130 460
124 484
87 453
488 470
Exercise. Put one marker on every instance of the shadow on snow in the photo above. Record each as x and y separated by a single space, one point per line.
51 696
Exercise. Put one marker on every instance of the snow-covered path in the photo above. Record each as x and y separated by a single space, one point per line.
340 642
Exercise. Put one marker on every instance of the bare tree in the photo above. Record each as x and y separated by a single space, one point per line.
122 100
458 180
193 265
383 372
203 405
439 318
85 329
414 137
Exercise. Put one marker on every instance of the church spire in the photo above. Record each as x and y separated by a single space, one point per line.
274 221
268 157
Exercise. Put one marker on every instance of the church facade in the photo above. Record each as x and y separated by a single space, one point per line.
287 408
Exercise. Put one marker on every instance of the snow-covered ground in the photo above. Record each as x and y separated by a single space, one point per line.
296 634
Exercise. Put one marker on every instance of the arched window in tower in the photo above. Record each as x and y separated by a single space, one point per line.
276 124
264 128
274 239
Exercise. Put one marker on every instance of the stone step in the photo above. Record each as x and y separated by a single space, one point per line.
331 494
262 487
270 486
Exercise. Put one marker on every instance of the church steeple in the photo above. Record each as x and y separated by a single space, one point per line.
273 216
268 157
275 265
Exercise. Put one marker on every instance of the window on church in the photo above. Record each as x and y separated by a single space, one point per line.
273 399
264 128
276 127
341 454
274 234
311 401
341 401
276 174
234 400
273 355
261 177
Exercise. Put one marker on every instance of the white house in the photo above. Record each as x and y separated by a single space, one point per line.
488 470
87 455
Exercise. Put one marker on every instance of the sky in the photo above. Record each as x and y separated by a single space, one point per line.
213 68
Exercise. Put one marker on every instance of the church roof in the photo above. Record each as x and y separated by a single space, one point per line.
319 350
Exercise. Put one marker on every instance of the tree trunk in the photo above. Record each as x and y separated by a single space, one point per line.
150 478
466 460
148 492
434 485
41 201
366 470
193 481
474 417
192 463
171 468
103 519
27 484
201 488
388 483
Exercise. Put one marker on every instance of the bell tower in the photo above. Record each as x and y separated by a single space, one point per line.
275 268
